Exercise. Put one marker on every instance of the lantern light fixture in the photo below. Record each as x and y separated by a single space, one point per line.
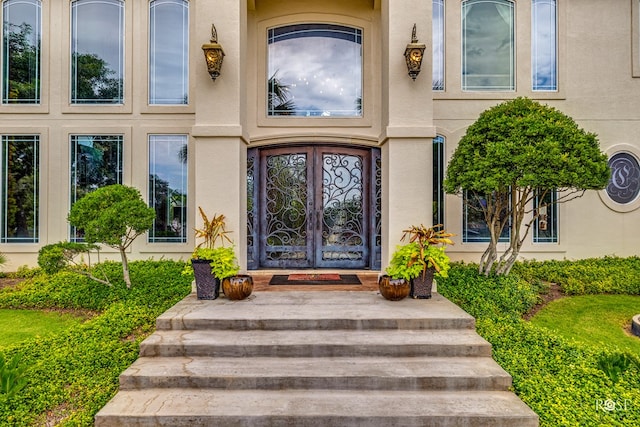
213 54
414 54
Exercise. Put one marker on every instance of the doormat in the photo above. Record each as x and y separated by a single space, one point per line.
315 279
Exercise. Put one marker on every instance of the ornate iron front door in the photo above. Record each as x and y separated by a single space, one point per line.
314 208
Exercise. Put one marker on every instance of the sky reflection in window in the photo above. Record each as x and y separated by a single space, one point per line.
314 70
488 45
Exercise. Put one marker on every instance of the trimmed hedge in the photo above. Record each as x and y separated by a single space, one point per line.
74 374
559 379
608 275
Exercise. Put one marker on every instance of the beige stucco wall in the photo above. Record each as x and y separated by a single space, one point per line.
598 87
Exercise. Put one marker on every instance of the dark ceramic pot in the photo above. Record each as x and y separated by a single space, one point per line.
207 285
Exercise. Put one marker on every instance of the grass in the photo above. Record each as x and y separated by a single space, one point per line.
20 325
597 320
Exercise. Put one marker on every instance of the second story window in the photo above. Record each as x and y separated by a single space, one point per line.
488 45
314 70
21 33
97 52
168 52
544 45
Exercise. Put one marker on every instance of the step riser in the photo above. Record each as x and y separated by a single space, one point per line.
391 421
333 383
313 324
426 350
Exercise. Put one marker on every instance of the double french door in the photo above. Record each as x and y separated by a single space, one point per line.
314 207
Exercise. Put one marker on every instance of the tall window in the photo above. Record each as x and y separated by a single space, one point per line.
488 45
96 161
314 70
544 45
21 30
20 191
168 187
475 227
438 179
545 227
168 52
97 52
438 45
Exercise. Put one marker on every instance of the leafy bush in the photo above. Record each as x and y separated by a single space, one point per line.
12 377
70 376
608 275
494 296
566 383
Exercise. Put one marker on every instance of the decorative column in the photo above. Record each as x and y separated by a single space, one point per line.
408 133
219 140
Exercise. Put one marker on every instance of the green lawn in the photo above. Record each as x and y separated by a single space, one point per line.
19 325
597 320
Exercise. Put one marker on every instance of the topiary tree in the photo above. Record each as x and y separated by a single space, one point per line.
515 151
113 215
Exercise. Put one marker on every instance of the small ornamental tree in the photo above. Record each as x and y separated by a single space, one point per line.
113 215
515 151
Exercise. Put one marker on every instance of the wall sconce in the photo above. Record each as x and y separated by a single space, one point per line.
414 54
213 54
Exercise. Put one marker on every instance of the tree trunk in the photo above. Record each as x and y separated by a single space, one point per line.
125 268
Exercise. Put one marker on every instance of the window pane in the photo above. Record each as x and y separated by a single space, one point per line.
475 228
488 45
96 161
315 70
544 41
438 44
438 178
20 189
168 187
97 52
168 52
21 31
545 228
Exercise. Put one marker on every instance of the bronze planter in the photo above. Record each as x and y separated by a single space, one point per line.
237 287
393 289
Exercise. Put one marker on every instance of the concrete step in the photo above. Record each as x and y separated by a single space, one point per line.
337 373
315 311
300 408
333 343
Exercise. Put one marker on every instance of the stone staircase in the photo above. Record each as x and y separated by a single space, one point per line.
315 359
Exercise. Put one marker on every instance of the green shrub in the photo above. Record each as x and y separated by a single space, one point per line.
73 374
12 377
615 364
493 296
608 275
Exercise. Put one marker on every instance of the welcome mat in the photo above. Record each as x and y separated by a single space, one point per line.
315 279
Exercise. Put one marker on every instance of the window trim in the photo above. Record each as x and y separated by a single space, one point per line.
514 53
183 239
635 38
35 240
65 56
43 106
145 107
453 58
368 106
555 3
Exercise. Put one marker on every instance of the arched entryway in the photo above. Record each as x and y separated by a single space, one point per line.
314 206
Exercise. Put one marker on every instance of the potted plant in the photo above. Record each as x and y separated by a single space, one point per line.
211 263
422 258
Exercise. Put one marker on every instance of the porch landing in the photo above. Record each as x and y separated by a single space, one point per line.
308 358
